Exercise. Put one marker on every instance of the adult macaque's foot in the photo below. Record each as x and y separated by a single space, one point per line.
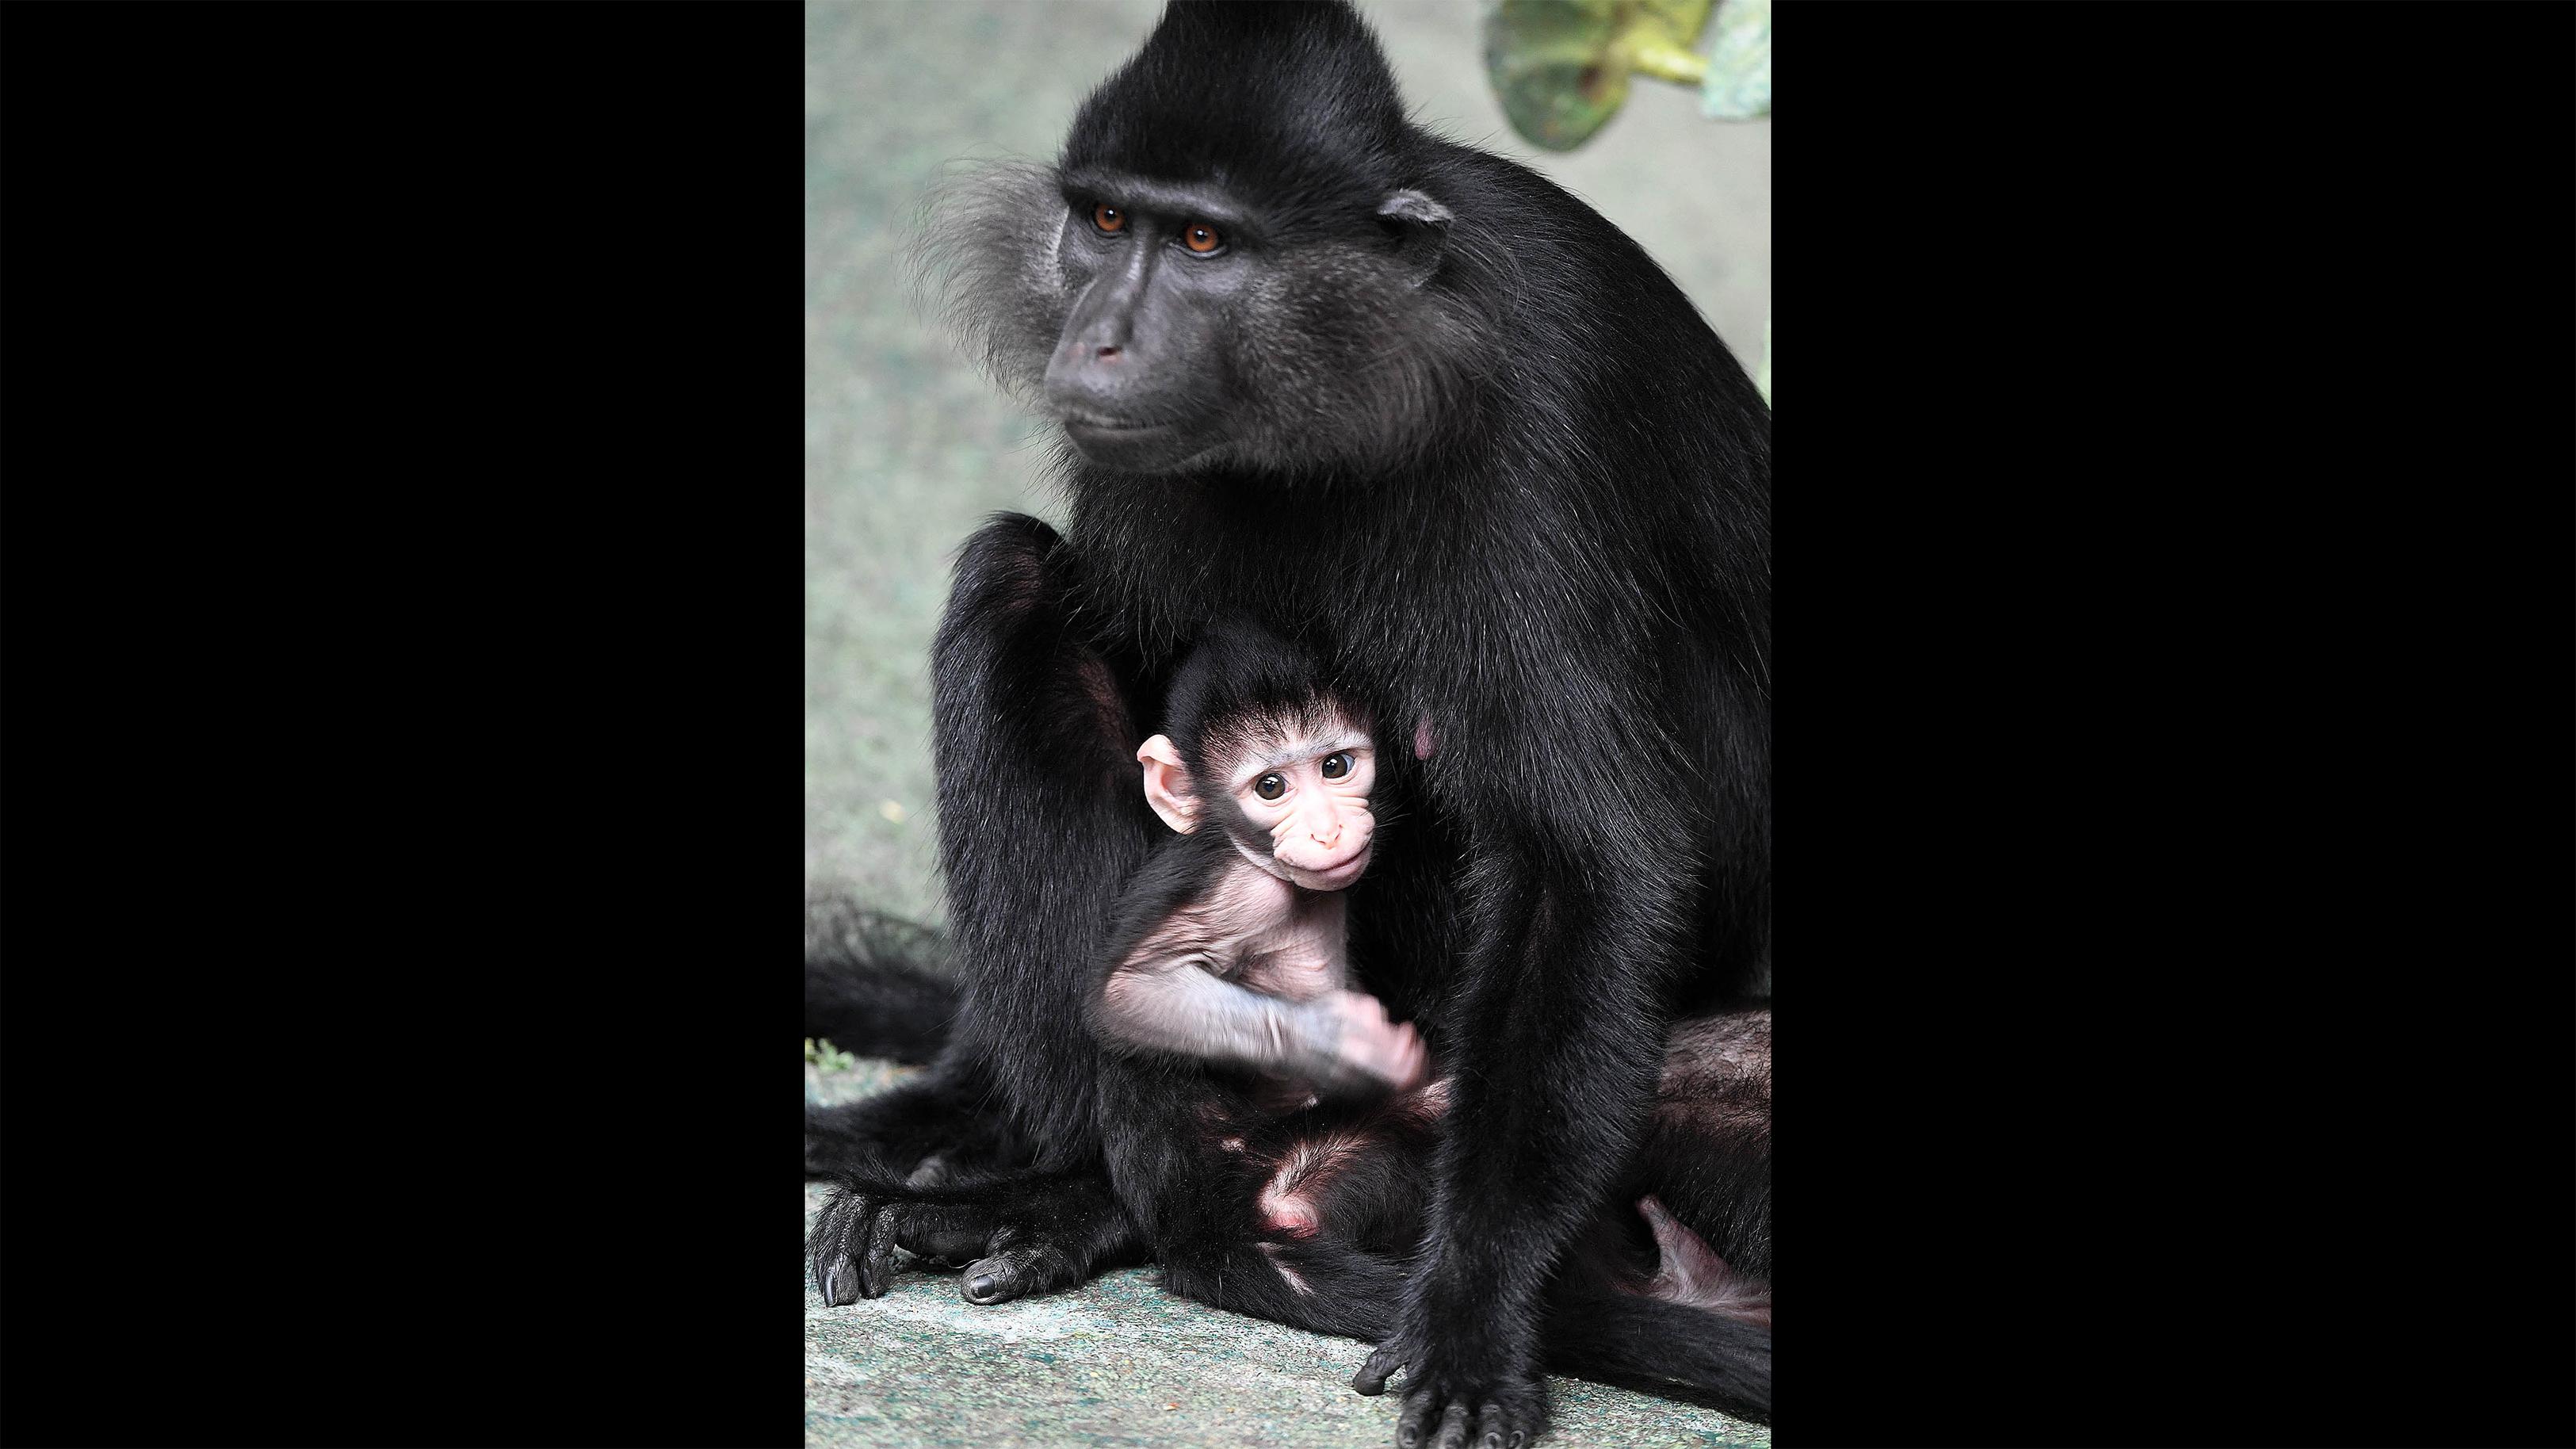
1016 1236
852 1251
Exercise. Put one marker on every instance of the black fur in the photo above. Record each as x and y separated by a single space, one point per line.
1237 677
875 985
1645 1344
1176 873
1498 474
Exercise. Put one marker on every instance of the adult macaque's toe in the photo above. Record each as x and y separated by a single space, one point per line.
989 1281
840 1283
1383 1361
838 1234
877 1267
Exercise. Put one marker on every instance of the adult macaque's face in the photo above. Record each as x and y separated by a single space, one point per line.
1313 801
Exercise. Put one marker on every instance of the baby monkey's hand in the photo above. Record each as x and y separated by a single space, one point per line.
1389 1051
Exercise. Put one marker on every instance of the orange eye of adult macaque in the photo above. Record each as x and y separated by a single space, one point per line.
1270 787
1337 764
1202 238
1109 219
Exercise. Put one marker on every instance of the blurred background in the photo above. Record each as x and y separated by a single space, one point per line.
907 446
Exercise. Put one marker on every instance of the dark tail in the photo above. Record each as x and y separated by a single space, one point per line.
875 985
1649 1344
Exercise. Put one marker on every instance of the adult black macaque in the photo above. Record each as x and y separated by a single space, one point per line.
1421 412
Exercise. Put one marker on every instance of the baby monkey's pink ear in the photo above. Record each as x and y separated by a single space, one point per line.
1167 784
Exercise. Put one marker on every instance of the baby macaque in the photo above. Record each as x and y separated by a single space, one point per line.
1230 945
1229 948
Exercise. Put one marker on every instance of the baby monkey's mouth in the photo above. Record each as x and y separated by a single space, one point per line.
1335 875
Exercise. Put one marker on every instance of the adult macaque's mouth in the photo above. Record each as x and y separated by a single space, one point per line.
1078 422
1141 447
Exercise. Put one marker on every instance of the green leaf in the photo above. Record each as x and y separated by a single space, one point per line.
1738 84
1561 67
827 1057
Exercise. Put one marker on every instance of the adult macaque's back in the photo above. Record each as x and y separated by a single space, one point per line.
1418 410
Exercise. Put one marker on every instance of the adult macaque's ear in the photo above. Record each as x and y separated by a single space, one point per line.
1167 784
1421 228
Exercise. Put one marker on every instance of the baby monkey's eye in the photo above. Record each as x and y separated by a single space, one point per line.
1270 787
1337 764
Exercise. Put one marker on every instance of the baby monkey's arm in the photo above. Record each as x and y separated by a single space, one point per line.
1168 994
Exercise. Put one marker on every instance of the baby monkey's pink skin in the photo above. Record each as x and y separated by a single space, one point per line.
1253 969
1390 1051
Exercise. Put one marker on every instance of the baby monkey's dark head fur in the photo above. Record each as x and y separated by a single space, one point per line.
1241 260
1255 741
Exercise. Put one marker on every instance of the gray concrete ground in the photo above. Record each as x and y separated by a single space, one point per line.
906 448
1122 1362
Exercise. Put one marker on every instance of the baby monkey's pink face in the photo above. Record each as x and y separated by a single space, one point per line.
1312 796
1292 795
